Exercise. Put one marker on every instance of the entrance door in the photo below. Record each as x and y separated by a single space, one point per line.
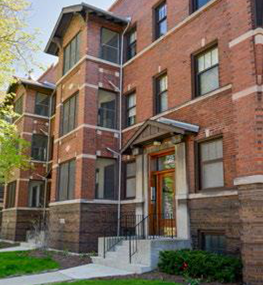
162 209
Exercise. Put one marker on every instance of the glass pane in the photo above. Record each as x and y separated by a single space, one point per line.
208 60
212 150
133 37
42 104
72 52
71 185
215 59
131 100
105 178
110 45
209 81
161 12
131 169
66 118
63 182
201 63
163 83
164 102
168 197
72 107
201 3
163 28
166 162
212 175
132 112
67 59
107 109
131 188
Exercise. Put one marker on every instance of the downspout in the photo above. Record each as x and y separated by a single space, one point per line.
48 152
120 124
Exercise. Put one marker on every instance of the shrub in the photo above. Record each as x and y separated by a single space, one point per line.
201 264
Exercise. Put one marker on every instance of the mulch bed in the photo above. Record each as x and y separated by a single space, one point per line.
156 275
64 259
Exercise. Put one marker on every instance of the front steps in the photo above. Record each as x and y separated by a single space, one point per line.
144 260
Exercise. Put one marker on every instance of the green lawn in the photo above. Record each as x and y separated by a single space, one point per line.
119 282
19 263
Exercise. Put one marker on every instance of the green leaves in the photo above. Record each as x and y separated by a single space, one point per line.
201 264
13 149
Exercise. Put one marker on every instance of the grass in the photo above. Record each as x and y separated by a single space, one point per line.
20 263
119 282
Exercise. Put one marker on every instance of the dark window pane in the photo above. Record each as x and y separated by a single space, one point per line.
11 195
107 109
66 180
215 243
71 53
132 44
161 94
110 45
36 194
2 190
130 180
18 107
106 179
39 147
201 3
131 109
42 104
161 20
69 115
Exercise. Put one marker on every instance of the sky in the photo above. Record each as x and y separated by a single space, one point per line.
43 16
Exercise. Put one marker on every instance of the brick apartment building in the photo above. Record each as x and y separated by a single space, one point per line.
176 88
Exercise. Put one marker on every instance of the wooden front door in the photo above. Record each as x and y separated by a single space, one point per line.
162 205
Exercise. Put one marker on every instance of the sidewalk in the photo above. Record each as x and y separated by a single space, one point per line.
88 271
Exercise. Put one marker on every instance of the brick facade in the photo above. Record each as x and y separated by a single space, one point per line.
232 112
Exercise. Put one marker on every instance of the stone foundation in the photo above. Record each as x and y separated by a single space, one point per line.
77 227
16 223
251 213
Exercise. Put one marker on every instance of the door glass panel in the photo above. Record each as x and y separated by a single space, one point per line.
166 162
167 197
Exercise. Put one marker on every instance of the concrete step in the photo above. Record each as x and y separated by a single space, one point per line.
119 264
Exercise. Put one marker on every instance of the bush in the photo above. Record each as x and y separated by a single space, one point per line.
201 264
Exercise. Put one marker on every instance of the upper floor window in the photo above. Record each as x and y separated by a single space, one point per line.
39 147
66 185
71 53
110 45
69 115
161 20
130 180
207 71
107 102
131 44
161 95
53 104
197 4
211 164
106 171
18 106
131 109
42 104
11 195
36 194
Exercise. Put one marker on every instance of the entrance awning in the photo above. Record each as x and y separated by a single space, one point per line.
157 131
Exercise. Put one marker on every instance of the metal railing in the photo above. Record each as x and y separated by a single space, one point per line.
139 227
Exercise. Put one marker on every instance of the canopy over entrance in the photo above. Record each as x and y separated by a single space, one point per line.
158 130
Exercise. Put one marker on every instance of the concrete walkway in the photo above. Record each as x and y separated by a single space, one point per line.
89 271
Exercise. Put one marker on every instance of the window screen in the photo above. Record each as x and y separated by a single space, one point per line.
110 45
211 160
207 71
39 147
106 179
66 181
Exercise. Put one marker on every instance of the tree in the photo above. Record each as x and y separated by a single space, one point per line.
13 148
17 46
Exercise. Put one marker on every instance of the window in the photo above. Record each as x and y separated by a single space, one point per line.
131 44
161 94
131 109
197 4
53 104
107 109
207 71
162 163
131 180
110 45
36 194
106 173
51 148
213 242
18 107
71 53
11 195
69 115
39 147
66 181
160 20
42 104
211 164
2 191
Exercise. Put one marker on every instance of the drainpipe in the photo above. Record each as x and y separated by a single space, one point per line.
120 123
